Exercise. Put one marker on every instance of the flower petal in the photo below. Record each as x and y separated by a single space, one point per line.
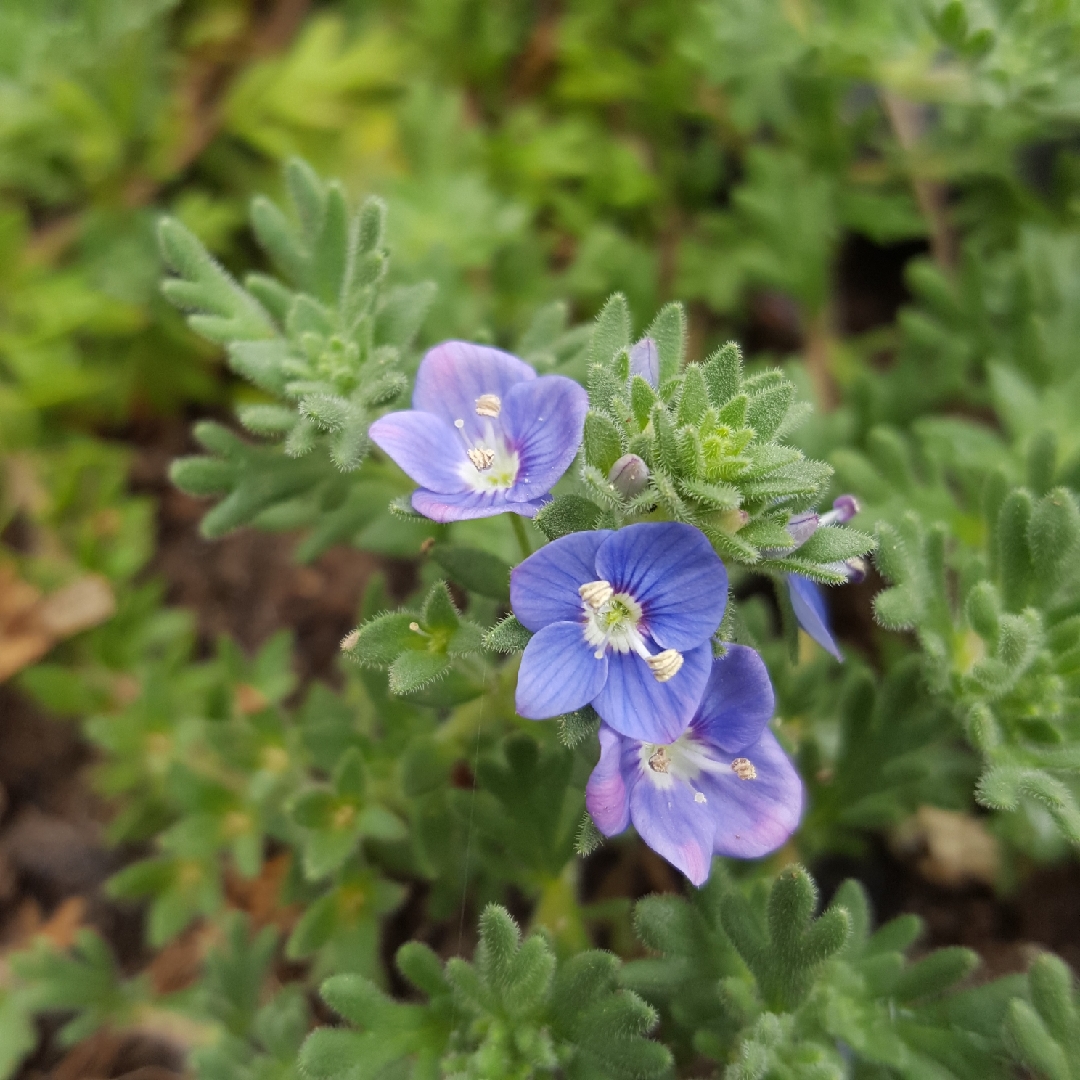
606 796
544 588
425 447
754 817
558 672
671 570
674 824
645 361
543 420
471 504
454 374
738 701
636 705
809 603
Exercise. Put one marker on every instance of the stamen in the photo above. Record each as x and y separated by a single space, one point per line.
459 424
699 796
596 594
660 762
488 405
481 457
744 769
665 665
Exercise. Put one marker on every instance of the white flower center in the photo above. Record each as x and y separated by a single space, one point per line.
611 620
684 760
489 464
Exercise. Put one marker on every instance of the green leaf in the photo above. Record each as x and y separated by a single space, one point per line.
835 543
603 444
566 514
414 670
479 571
381 641
576 727
439 611
381 824
765 411
668 330
723 373
507 636
611 332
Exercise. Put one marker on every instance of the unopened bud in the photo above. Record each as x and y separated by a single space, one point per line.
802 527
645 361
844 508
629 475
856 570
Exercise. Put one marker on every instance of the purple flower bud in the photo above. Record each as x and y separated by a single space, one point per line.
802 527
856 570
844 508
629 475
645 361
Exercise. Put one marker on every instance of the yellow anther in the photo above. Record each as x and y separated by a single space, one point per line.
488 405
596 594
744 769
665 665
481 457
660 762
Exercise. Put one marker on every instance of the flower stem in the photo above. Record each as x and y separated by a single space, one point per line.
522 537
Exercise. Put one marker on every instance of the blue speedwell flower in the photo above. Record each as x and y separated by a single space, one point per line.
807 599
723 787
484 435
623 621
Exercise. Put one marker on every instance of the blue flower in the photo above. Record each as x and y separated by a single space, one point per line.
723 787
484 435
807 599
623 621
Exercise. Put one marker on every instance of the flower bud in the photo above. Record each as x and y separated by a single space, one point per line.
645 361
856 570
629 475
802 527
844 508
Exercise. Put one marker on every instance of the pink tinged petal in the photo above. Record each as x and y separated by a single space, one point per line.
802 526
671 570
674 824
543 420
471 504
558 672
544 588
645 361
808 601
606 797
738 701
424 447
454 374
636 705
754 817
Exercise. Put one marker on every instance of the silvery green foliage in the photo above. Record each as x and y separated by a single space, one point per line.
995 607
750 980
326 339
713 439
514 1012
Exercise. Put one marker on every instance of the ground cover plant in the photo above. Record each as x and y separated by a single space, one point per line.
539 540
